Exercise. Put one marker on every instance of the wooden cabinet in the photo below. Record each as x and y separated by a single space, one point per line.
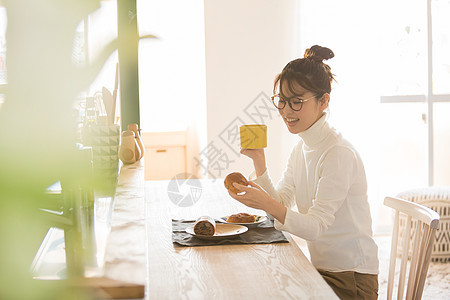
164 162
165 154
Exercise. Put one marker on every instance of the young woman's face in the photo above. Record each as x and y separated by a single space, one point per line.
299 121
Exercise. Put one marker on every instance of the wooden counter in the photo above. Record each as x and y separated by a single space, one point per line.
125 255
257 271
138 253
125 267
117 266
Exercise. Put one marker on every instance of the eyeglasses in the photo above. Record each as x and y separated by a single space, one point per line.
295 103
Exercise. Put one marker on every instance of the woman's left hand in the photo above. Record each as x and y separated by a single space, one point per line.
254 196
258 198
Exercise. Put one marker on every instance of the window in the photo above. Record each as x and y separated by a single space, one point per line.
99 29
393 70
172 84
416 90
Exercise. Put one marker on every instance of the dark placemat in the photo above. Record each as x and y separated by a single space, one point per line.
263 233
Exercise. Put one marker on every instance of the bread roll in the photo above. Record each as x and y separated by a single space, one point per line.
205 226
234 177
241 218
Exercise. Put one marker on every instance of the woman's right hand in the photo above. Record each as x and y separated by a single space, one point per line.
258 157
253 153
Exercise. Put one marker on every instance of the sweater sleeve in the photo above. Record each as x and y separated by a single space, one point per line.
284 192
336 173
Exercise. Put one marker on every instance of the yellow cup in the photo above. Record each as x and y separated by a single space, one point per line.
253 136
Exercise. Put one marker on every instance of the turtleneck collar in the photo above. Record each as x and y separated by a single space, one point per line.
316 133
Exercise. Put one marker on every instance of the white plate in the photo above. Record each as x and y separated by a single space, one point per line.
222 231
258 220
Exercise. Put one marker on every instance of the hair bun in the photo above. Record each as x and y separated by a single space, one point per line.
318 53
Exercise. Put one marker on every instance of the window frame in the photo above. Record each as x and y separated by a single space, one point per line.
430 98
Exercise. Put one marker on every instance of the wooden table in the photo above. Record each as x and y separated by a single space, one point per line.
257 271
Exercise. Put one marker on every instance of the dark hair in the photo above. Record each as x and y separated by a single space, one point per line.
309 72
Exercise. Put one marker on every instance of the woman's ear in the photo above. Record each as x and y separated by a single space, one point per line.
324 101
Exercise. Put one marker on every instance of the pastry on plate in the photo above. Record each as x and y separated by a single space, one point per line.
241 218
205 226
232 178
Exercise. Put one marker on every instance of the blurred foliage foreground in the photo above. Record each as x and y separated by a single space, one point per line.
37 131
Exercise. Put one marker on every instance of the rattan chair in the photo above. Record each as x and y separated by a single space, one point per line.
422 223
438 199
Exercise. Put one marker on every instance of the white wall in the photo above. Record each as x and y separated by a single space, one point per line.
247 45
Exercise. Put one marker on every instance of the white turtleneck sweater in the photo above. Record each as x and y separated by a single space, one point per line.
325 177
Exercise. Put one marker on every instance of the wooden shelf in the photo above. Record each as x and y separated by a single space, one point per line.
118 265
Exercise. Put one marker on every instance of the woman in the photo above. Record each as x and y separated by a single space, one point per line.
324 177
